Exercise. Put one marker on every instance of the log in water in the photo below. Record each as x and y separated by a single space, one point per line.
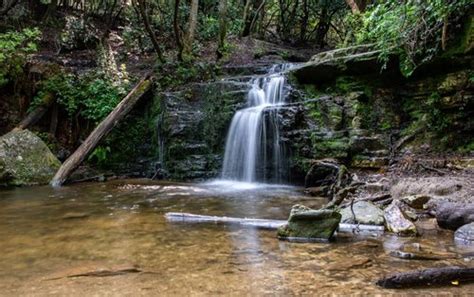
260 223
427 277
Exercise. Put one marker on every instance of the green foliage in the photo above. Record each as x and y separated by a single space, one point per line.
91 95
436 117
100 155
412 29
15 46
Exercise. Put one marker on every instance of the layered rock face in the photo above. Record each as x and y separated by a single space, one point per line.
347 110
25 160
192 128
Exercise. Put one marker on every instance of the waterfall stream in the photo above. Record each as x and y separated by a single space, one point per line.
253 150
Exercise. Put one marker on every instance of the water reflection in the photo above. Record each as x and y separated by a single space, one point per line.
49 232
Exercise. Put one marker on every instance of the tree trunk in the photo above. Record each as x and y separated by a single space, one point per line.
427 277
177 30
103 129
357 6
222 28
37 113
245 20
144 14
192 22
323 28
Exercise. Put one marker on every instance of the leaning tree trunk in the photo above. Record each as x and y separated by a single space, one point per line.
37 113
119 112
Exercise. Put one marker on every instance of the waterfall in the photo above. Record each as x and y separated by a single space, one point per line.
253 149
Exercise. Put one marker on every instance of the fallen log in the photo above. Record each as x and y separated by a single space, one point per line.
259 223
34 116
427 277
119 112
193 218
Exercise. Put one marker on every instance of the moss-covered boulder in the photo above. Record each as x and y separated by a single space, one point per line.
25 160
309 224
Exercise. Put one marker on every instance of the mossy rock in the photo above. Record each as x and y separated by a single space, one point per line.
307 223
25 160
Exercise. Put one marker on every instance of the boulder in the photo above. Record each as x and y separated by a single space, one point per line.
396 222
25 160
451 215
366 213
310 224
465 234
416 201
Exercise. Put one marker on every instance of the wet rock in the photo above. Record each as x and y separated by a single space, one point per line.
451 215
396 222
465 234
327 173
421 255
307 223
366 213
416 201
25 159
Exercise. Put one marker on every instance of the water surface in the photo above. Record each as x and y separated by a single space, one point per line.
47 234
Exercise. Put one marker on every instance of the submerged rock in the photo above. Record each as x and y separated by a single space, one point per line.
450 215
465 234
310 224
396 222
25 159
366 213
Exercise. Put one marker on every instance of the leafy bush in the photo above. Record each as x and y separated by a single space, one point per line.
91 94
78 33
15 46
412 29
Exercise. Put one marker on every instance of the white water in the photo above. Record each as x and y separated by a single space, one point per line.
251 138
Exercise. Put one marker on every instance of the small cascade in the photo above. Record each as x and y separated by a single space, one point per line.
253 150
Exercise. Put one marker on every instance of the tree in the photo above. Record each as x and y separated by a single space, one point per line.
357 6
142 8
177 30
192 22
222 27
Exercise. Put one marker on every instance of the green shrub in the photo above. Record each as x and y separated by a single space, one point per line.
412 29
15 46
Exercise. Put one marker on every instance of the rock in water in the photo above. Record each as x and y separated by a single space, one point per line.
25 160
451 215
366 213
396 222
465 234
310 224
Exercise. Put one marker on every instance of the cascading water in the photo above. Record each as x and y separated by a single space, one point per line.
253 151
